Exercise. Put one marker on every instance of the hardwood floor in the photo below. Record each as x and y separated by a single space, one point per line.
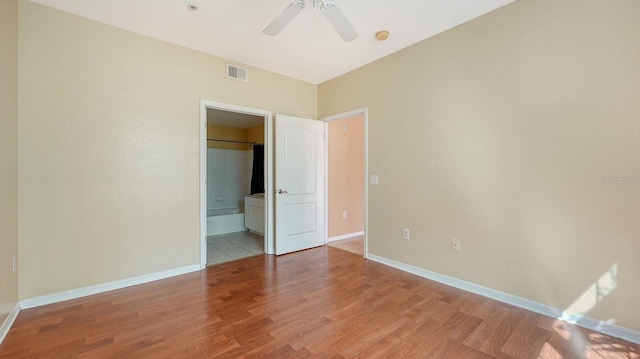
320 303
354 245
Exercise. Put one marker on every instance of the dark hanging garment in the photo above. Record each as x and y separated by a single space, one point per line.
257 174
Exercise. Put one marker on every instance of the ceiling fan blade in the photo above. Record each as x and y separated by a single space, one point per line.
284 18
339 21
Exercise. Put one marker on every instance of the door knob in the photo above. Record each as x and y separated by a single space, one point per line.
282 192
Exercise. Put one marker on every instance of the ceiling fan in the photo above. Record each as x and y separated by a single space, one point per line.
328 8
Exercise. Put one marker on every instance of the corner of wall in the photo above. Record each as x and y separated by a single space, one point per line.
9 162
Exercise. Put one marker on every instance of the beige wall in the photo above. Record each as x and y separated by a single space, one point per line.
499 132
256 134
109 148
346 176
253 134
227 133
8 154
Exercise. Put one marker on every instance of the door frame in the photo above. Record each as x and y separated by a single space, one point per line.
268 190
365 112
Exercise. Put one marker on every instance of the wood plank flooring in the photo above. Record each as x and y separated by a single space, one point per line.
319 303
353 245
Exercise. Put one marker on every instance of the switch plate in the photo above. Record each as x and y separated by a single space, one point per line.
344 215
405 233
13 264
373 179
455 244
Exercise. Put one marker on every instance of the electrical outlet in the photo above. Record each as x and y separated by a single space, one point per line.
405 233
455 244
344 215
13 264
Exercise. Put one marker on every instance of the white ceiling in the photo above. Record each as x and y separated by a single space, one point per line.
308 49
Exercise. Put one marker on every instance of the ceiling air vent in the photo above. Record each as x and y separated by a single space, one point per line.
238 73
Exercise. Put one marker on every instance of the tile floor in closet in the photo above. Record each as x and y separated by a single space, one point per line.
233 246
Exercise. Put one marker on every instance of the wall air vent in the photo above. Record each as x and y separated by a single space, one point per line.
237 73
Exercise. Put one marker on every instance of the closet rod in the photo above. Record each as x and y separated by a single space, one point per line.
231 141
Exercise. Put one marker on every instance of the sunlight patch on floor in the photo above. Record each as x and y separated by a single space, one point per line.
574 339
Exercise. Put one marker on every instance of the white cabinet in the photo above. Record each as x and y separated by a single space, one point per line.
254 214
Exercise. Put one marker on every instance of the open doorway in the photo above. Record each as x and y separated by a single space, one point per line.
235 182
346 186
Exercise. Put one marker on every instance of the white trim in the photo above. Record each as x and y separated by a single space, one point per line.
8 322
269 204
268 196
326 183
203 185
365 112
345 236
366 181
544 309
105 287
342 115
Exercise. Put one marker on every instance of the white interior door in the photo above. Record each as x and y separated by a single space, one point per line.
299 184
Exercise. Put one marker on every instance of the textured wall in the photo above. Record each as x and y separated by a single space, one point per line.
501 132
109 148
8 154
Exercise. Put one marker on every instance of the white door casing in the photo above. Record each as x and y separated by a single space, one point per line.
268 151
299 184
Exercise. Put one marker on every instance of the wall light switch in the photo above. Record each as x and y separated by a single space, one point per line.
373 179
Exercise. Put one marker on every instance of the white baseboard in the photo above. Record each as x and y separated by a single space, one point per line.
547 310
101 288
345 236
8 322
256 232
